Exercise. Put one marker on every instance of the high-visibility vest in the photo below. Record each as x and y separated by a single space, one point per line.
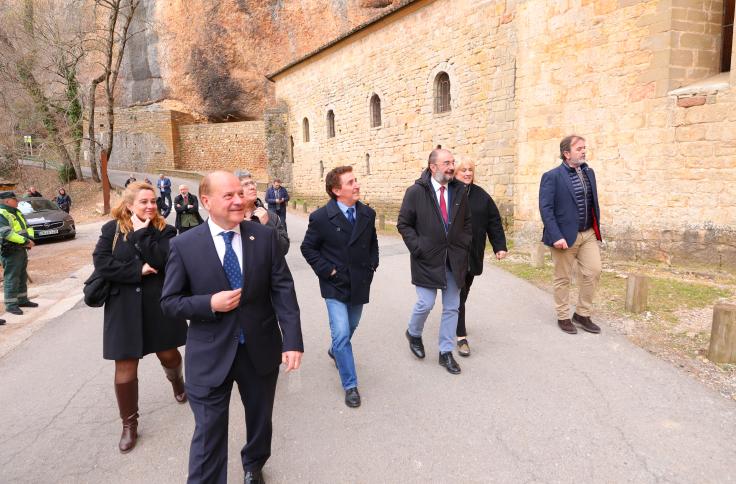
19 232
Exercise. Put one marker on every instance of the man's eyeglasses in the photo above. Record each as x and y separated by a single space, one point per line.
248 184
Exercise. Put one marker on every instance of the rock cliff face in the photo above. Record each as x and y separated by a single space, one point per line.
209 58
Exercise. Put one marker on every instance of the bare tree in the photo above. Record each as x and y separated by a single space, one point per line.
20 64
115 35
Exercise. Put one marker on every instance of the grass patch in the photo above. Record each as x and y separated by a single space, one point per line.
666 296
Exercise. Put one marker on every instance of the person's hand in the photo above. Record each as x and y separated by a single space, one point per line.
190 206
292 360
225 301
29 245
262 215
179 205
147 269
138 223
501 254
560 244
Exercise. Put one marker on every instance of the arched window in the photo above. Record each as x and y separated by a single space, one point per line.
291 149
330 123
305 129
367 164
321 170
442 93
727 36
375 111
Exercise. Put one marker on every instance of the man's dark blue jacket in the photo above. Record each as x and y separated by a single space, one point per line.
558 207
331 242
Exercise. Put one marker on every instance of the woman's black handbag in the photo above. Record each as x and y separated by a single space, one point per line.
96 288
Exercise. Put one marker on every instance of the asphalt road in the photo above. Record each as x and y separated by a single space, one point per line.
532 404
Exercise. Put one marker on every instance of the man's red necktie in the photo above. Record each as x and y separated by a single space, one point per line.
443 205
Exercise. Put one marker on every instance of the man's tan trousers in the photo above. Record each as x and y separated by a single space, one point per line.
588 256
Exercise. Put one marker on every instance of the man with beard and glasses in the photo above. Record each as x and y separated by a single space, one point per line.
568 203
434 222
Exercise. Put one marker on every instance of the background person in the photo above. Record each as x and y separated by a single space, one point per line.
63 200
255 212
131 254
32 192
187 210
164 187
277 199
486 222
17 240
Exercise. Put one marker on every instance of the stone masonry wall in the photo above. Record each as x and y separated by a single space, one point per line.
398 58
144 138
665 166
229 146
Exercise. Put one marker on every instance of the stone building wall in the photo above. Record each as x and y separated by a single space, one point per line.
229 146
665 165
398 59
144 138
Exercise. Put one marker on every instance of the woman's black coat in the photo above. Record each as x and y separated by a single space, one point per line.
134 323
486 221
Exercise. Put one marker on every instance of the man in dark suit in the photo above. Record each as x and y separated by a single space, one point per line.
342 248
434 221
568 203
187 210
228 277
277 197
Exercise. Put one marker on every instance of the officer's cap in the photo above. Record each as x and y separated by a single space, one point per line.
6 195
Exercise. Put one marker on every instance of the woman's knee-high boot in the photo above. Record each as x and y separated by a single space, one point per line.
127 395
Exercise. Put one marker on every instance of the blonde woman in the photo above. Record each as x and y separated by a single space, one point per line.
486 222
131 255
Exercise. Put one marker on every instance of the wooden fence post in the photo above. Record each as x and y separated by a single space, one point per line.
723 334
538 253
304 207
637 291
382 221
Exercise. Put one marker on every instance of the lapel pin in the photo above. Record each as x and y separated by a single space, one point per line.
252 238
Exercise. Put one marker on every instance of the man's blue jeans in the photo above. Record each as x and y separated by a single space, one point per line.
344 320
450 303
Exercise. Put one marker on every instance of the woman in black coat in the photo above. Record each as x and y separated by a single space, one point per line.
131 255
486 222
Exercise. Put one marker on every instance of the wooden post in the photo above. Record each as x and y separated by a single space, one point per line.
105 183
637 291
293 204
538 253
304 207
723 334
382 221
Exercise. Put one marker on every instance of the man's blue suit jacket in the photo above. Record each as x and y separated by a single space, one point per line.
268 312
558 207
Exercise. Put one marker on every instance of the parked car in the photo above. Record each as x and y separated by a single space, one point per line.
47 219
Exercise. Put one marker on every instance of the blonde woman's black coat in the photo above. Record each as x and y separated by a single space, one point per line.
134 323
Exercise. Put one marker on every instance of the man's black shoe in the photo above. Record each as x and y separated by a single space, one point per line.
28 304
14 310
415 345
329 353
352 397
448 361
2 321
254 477
585 323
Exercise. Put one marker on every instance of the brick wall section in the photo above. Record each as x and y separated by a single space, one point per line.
144 138
229 146
398 59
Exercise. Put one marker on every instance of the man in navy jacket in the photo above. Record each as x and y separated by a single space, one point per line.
342 248
229 278
568 203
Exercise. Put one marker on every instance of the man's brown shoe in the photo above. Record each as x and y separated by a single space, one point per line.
567 326
585 323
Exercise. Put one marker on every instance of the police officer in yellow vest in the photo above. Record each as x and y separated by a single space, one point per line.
17 238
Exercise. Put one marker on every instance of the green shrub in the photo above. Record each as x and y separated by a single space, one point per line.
66 174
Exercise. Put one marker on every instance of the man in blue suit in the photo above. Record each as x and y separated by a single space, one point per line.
229 279
568 203
342 248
